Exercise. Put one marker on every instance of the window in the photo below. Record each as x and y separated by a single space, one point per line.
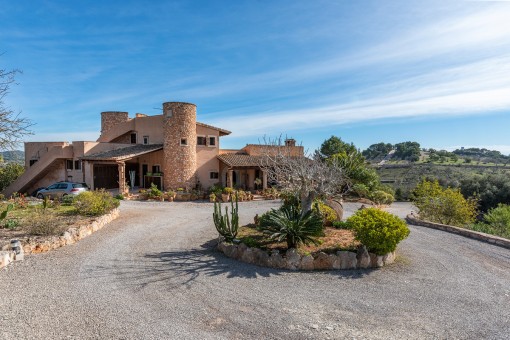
156 169
184 141
32 161
201 140
133 138
145 140
212 140
69 164
214 175
62 186
77 165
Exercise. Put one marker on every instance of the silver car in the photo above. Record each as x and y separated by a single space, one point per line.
61 189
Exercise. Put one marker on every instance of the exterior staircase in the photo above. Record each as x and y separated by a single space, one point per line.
48 162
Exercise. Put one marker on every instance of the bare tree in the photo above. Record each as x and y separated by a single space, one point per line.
306 176
12 127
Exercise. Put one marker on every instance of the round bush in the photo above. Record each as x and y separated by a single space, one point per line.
95 203
378 230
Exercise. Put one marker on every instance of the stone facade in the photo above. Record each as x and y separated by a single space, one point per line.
111 118
179 144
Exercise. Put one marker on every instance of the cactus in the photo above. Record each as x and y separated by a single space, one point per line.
225 225
3 215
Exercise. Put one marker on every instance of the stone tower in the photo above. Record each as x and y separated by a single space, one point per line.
180 144
111 118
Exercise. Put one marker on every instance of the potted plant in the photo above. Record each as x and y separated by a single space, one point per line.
212 197
225 195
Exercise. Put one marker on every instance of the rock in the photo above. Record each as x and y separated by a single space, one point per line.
376 261
248 255
337 262
261 257
363 257
231 250
347 259
306 263
276 260
388 258
293 259
337 206
6 257
323 261
222 247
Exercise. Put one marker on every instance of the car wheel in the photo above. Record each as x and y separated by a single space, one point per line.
40 196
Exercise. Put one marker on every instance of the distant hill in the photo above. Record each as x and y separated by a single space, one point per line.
17 156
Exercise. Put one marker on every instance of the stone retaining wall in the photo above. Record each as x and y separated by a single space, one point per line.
6 257
294 261
499 241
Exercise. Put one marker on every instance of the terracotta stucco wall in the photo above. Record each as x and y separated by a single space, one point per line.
207 161
35 150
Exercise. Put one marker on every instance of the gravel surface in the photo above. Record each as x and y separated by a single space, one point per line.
154 274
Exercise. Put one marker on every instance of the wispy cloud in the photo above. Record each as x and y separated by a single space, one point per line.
461 86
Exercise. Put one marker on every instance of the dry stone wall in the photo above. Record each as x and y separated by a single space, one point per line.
292 260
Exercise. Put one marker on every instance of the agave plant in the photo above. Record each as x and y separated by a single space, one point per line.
289 224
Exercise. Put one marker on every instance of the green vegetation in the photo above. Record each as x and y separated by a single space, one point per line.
290 225
409 151
9 173
377 151
378 230
225 225
446 206
154 192
95 203
495 222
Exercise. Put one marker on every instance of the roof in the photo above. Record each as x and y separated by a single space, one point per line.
223 132
124 153
235 159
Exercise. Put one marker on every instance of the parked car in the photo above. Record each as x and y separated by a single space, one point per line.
61 189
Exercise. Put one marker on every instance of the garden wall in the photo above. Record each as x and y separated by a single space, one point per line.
499 241
294 261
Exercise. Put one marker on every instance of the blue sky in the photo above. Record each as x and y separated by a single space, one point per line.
436 72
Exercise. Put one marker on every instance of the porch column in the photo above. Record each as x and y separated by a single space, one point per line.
230 178
122 178
264 179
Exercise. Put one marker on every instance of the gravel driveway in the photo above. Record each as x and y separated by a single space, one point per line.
153 274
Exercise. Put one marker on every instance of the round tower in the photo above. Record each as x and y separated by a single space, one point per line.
179 145
111 118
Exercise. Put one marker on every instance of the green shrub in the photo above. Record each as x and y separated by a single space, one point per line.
250 242
290 225
11 223
496 222
326 212
446 206
381 197
378 230
66 200
120 197
95 203
154 192
340 225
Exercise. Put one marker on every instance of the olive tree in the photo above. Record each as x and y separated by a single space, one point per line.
12 127
306 176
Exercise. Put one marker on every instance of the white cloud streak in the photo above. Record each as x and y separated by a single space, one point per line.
479 86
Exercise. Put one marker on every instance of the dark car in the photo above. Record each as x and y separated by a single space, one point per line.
61 189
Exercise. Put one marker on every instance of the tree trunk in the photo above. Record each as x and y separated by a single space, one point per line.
306 202
337 206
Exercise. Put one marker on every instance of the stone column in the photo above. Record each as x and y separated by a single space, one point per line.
230 178
264 179
122 178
